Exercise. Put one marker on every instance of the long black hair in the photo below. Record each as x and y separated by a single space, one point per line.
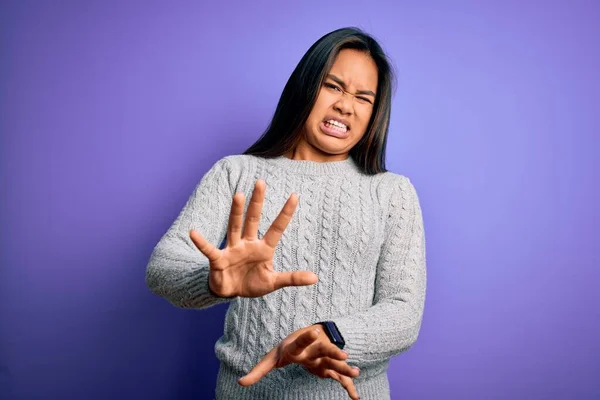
301 91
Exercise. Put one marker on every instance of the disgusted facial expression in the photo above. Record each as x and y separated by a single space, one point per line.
343 109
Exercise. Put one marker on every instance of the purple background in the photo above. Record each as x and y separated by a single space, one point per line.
111 112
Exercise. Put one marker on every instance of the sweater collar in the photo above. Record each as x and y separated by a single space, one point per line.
341 168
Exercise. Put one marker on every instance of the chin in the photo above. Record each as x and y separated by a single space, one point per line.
328 144
333 150
334 145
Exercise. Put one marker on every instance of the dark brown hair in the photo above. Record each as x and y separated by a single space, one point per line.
301 91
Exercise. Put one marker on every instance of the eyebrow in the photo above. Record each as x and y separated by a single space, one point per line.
343 85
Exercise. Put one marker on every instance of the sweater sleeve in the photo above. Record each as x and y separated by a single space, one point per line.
391 325
177 270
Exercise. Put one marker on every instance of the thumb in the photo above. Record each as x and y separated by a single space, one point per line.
210 251
296 278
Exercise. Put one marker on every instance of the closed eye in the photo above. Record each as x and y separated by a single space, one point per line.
361 99
332 86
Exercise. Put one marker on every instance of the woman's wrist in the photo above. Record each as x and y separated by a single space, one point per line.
333 333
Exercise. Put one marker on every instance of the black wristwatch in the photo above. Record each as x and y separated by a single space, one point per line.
333 333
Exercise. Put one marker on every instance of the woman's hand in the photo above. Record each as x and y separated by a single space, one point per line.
311 348
245 267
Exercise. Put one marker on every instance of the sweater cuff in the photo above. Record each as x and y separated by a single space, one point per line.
196 292
356 338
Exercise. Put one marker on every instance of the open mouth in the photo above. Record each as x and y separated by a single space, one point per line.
336 125
335 128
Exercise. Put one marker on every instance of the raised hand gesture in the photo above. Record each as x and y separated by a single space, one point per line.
245 267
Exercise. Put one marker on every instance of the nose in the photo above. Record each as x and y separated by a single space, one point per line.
343 105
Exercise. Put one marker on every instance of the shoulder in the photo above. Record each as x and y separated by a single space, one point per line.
225 171
400 195
233 163
234 169
237 162
393 184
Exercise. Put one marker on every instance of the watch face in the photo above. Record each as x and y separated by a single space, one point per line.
333 334
336 334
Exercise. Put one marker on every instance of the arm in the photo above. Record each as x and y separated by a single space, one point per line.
392 324
177 270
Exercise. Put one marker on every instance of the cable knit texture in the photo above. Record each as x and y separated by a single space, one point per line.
362 235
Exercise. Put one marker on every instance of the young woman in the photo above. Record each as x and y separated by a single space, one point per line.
324 266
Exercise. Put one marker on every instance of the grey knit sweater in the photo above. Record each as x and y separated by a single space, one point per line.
362 235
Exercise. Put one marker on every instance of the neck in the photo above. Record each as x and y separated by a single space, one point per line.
301 153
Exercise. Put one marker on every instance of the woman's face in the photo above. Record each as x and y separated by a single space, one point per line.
343 108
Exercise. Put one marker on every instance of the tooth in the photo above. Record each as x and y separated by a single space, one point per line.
342 127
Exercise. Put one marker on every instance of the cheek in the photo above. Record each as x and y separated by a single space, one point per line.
363 118
324 102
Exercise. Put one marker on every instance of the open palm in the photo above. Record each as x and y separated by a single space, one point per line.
245 266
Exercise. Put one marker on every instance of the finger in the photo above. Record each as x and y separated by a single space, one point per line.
254 210
210 251
299 344
276 229
346 382
340 367
261 369
296 278
234 230
326 350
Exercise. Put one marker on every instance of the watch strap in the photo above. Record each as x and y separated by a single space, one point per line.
333 333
